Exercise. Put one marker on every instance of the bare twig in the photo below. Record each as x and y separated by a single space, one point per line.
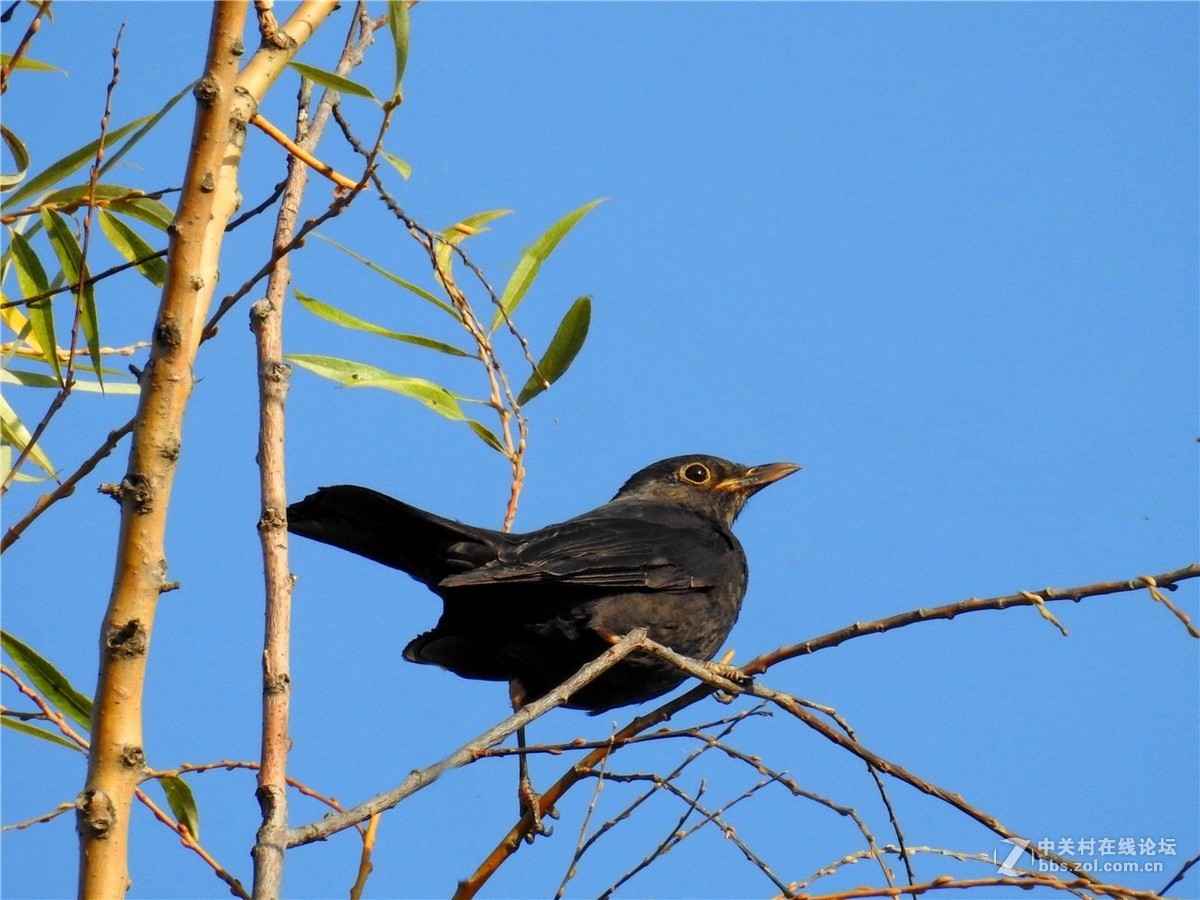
266 318
8 67
51 714
68 382
38 820
1178 877
364 863
511 841
189 840
67 487
298 152
421 778
949 883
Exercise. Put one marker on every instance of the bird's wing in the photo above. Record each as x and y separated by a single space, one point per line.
667 552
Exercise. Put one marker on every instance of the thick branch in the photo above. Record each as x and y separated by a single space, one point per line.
116 755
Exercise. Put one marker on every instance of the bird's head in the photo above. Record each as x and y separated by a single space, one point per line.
709 485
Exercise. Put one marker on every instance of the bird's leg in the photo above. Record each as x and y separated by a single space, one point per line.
729 672
723 668
527 798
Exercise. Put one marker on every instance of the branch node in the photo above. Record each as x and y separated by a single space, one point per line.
95 814
207 90
167 334
136 489
132 757
127 641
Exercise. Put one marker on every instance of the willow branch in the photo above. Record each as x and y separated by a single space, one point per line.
469 752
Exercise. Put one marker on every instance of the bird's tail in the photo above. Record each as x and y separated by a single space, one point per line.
388 531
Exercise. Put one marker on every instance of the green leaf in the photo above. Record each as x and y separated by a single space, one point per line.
398 22
145 209
396 279
14 433
6 461
338 317
60 169
486 435
52 684
153 120
70 257
76 192
130 245
182 801
26 728
20 156
398 164
355 374
472 225
32 65
38 380
332 81
564 347
458 232
31 278
532 259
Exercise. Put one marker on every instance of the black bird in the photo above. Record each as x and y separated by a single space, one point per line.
532 608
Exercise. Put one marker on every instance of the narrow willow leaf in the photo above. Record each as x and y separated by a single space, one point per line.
151 121
20 156
355 374
6 462
338 317
60 169
38 380
459 232
52 684
145 209
70 257
182 801
33 65
14 433
486 435
26 728
472 225
398 22
31 278
130 245
532 259
396 279
79 191
564 347
398 164
333 81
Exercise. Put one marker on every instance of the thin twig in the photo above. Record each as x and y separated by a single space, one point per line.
68 382
421 778
188 840
8 67
509 843
67 487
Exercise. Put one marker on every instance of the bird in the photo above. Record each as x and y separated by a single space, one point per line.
532 608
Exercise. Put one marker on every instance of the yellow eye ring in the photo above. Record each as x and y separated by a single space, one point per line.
695 473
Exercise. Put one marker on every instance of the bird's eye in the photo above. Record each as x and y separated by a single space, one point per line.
695 473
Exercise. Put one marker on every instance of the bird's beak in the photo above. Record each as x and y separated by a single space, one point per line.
756 478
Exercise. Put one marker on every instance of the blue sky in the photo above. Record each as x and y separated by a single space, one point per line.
944 256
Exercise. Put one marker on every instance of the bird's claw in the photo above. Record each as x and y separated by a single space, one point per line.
729 672
530 803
